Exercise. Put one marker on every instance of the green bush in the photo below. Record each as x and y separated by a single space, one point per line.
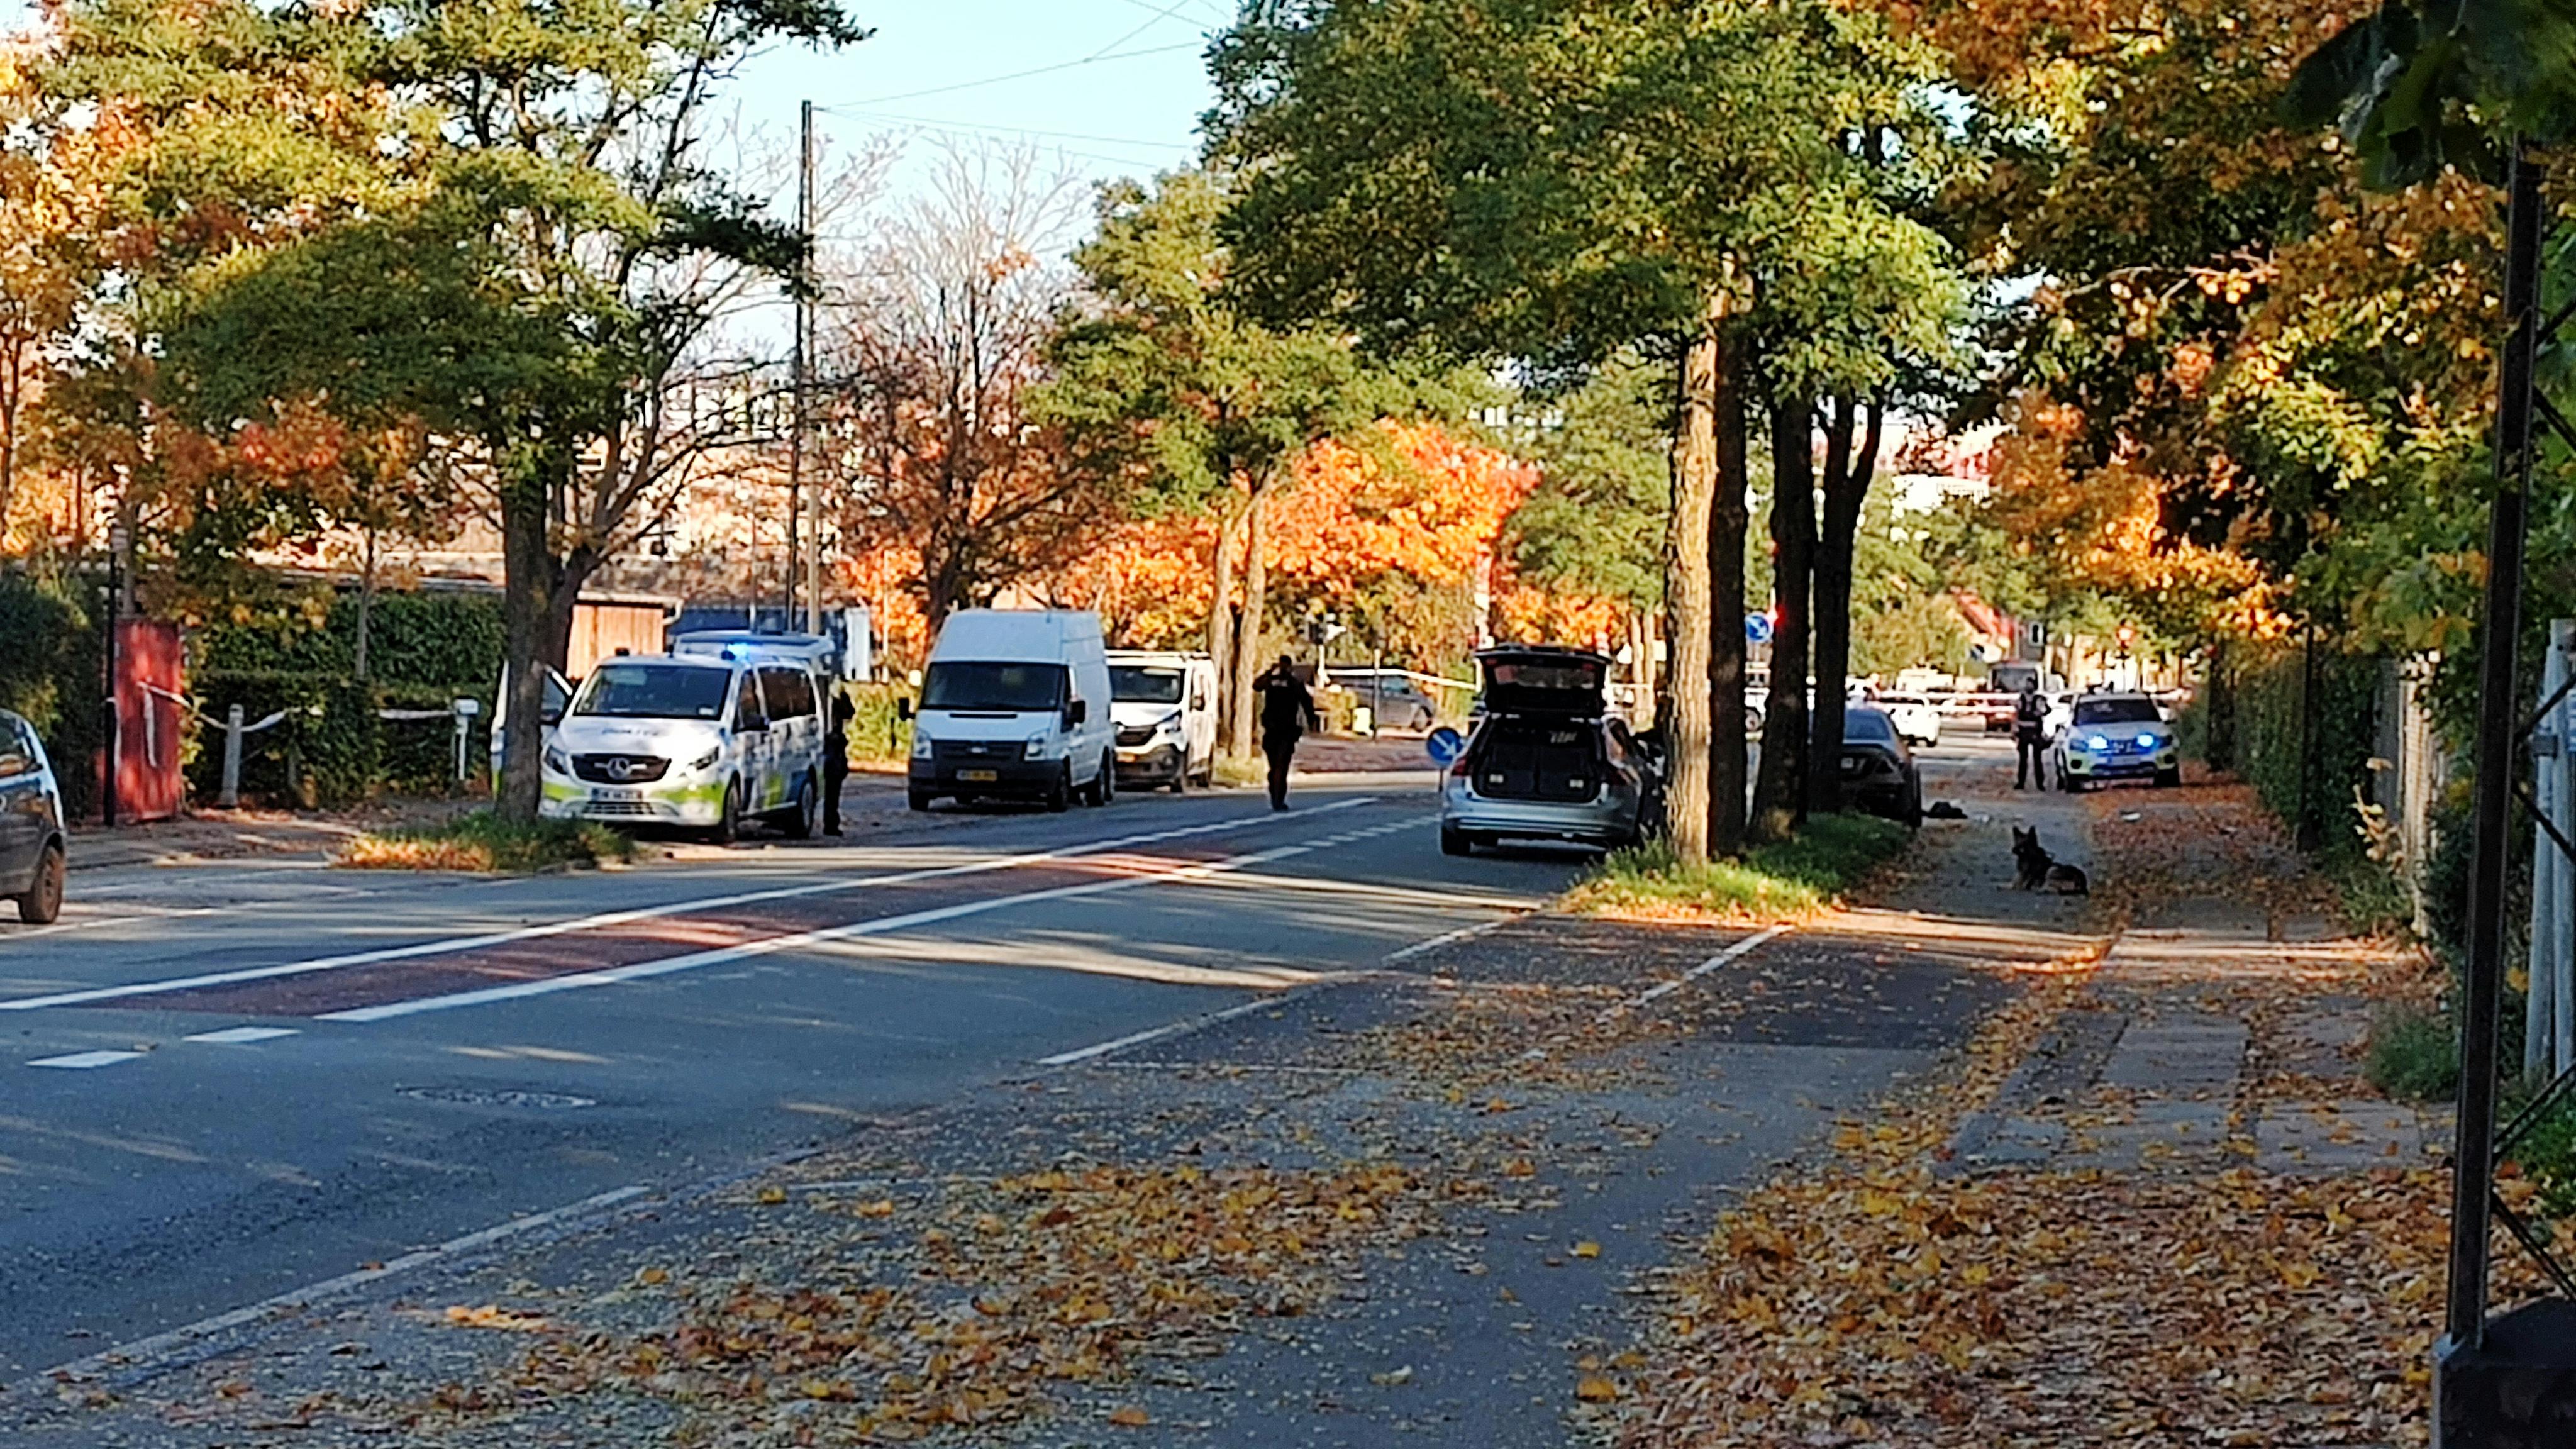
2304 755
2414 1055
453 640
53 673
424 650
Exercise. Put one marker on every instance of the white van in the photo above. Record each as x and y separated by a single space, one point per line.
1164 704
1015 703
704 742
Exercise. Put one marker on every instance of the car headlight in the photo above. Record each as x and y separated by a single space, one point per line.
707 761
1170 723
2146 740
2099 742
1035 749
920 745
558 761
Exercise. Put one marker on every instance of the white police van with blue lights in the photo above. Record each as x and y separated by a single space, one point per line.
700 741
2120 736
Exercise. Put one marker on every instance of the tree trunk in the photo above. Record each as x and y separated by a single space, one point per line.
1686 592
366 605
1780 795
1247 637
527 597
1727 525
1641 668
1220 628
1848 475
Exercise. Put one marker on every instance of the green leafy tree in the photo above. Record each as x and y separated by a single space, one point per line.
1164 381
1555 182
1595 523
553 252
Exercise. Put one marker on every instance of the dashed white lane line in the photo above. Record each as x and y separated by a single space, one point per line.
1727 957
454 944
1450 938
879 926
82 1061
1187 1024
241 1035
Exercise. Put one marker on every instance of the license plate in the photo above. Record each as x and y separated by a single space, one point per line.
612 794
979 777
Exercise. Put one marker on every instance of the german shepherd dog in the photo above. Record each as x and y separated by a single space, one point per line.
2036 869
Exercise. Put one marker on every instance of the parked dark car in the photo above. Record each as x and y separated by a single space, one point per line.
31 824
1879 775
1547 760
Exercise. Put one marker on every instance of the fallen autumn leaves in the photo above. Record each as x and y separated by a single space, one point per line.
1060 1277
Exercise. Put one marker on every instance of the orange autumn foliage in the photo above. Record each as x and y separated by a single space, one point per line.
2102 529
1429 510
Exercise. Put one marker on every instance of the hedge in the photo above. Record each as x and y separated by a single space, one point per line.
331 748
52 672
452 640
2306 721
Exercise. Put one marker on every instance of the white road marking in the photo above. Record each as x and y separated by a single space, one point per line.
242 1035
454 944
81 1061
1190 1024
1730 955
1450 938
161 1343
879 926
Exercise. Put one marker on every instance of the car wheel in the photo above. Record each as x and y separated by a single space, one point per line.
1454 841
800 818
729 815
1104 791
1059 796
1913 817
1181 778
2169 779
2071 784
917 799
43 899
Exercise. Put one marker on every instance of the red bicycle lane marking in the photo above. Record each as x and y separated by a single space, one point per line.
624 944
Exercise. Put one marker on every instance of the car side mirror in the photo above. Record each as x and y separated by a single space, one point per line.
1077 712
551 715
903 706
1198 701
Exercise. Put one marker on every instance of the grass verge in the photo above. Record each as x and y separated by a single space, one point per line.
1796 877
2414 1054
482 841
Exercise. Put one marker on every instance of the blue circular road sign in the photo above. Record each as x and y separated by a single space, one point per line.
1445 745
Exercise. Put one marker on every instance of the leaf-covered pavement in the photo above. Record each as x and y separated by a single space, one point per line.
1422 1205
1885 1296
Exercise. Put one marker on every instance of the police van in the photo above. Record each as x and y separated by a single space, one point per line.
703 742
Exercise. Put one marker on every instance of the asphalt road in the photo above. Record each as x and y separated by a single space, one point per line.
225 1082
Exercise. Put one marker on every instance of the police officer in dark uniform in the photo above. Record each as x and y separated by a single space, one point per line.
1287 711
836 760
2030 733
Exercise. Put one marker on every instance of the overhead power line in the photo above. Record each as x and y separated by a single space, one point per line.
994 80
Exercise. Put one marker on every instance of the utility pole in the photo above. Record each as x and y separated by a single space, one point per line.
812 560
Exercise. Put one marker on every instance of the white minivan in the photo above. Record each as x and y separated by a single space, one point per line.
1015 704
703 742
1164 704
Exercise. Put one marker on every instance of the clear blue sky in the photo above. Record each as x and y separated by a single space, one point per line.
1103 88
